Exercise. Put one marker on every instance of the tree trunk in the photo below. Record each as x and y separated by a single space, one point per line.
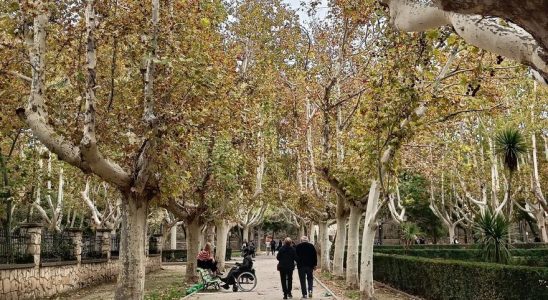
245 234
541 223
451 229
251 237
340 241
352 258
131 279
173 237
301 231
312 233
193 233
222 235
367 288
210 231
324 246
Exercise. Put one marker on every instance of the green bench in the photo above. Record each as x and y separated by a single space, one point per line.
209 280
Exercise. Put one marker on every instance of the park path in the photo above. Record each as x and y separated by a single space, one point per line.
268 286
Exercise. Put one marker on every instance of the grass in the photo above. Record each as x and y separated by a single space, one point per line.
167 294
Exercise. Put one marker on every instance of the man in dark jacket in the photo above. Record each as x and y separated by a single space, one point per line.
306 264
273 246
286 257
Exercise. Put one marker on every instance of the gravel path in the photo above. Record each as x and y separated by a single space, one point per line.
268 285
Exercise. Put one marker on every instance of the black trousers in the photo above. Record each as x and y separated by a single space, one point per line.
306 275
207 264
287 281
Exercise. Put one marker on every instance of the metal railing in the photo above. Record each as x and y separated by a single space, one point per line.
56 247
13 248
153 245
92 247
115 245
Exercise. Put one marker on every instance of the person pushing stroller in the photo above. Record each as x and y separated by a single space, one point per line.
245 266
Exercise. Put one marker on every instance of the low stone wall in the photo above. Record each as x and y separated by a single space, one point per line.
47 281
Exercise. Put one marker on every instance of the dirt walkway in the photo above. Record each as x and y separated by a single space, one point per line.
268 285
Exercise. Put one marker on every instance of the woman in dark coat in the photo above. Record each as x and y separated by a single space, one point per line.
286 257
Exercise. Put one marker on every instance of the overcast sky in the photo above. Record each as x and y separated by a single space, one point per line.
296 5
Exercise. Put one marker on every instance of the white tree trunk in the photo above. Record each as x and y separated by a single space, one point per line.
245 234
324 246
352 257
222 229
486 33
131 279
312 233
541 223
173 237
301 231
193 233
210 234
340 241
367 288
451 229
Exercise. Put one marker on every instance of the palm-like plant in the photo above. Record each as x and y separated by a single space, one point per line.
491 231
511 145
410 232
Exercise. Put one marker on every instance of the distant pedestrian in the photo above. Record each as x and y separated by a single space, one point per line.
307 261
273 246
286 265
279 245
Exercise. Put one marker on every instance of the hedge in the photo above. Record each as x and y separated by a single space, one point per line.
459 246
180 255
451 279
526 257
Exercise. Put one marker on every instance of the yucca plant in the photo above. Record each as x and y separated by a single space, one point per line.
410 231
511 145
491 231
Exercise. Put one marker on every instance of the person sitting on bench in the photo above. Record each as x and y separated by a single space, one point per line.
247 265
206 260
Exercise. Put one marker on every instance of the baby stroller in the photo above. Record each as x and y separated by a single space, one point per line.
242 275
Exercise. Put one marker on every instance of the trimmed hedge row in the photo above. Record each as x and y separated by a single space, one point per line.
180 255
459 246
451 279
526 257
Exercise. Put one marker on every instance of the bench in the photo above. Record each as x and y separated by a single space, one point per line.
209 280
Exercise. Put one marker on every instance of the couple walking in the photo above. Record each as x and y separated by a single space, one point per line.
305 256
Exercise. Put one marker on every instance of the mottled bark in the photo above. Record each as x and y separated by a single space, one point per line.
367 288
193 233
352 257
222 236
487 33
323 238
530 15
340 241
173 238
131 279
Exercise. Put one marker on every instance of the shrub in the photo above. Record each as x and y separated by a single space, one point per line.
461 246
492 232
525 257
449 279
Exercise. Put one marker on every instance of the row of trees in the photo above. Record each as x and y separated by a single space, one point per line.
213 114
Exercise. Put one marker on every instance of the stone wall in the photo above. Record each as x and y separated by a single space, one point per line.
47 281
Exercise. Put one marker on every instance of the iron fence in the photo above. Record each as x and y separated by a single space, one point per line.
115 245
56 247
153 245
13 248
91 247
